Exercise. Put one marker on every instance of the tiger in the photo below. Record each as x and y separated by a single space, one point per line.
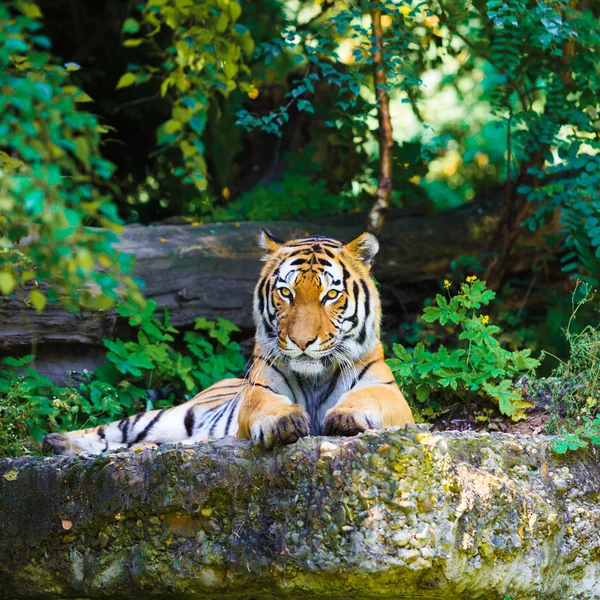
317 368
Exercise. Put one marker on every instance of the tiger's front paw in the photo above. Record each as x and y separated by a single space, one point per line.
347 422
285 427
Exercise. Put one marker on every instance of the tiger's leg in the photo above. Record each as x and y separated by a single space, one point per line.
212 413
376 404
271 419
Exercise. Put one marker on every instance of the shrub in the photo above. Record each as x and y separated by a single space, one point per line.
475 368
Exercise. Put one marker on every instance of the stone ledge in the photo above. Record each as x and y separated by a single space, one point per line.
396 514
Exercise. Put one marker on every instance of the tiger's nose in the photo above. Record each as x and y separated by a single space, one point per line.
303 343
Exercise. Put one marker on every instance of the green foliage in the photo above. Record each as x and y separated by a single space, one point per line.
477 367
152 360
580 437
295 196
33 406
319 50
53 181
574 385
204 56
26 400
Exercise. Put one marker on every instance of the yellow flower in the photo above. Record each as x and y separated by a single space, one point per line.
485 319
471 278
447 283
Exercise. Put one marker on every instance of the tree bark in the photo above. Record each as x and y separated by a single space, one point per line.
387 515
377 214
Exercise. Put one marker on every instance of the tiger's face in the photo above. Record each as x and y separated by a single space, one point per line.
315 304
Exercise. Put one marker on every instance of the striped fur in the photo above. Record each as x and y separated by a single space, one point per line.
317 367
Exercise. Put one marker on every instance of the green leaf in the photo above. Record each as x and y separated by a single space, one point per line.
133 42
7 282
126 80
38 299
130 26
235 10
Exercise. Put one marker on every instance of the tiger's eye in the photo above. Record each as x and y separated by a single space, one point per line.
285 292
331 294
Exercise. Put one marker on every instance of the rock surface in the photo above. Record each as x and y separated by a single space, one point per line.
397 514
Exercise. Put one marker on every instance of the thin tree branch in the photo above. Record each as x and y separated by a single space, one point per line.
376 216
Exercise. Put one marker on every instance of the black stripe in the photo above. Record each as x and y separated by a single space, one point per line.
137 418
125 430
286 382
261 295
363 332
142 434
363 372
102 436
207 400
388 382
264 386
345 272
230 417
188 421
217 417
296 253
354 317
324 262
328 253
298 261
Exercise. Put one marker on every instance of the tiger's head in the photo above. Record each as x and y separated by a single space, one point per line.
315 305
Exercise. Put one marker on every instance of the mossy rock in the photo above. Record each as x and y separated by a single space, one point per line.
396 514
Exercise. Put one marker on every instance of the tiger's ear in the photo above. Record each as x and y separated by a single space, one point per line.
364 247
268 242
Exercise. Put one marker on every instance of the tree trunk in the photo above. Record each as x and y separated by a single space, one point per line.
377 214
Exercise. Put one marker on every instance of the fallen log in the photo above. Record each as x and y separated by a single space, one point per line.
211 270
388 515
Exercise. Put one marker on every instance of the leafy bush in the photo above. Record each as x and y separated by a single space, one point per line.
476 367
51 178
31 405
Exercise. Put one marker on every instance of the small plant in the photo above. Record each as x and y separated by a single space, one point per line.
580 437
575 383
574 386
151 360
476 367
